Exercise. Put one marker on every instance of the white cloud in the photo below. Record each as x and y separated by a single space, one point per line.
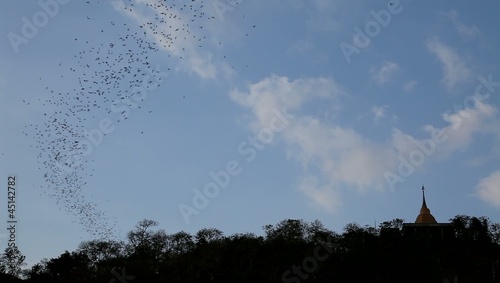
325 197
184 45
277 92
463 30
478 161
342 157
378 112
385 73
488 189
409 86
462 125
454 68
201 65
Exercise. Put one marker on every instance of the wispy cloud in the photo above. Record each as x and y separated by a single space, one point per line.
378 112
462 125
488 189
276 92
454 68
324 196
170 31
341 156
463 30
335 158
409 86
384 73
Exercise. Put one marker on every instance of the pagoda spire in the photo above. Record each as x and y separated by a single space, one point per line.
425 215
423 197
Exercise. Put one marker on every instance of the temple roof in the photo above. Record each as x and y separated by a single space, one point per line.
425 215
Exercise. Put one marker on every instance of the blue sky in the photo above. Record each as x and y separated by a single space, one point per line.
238 114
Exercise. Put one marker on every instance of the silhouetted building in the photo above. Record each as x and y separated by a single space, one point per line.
426 228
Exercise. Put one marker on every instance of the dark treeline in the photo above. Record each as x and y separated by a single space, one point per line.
290 251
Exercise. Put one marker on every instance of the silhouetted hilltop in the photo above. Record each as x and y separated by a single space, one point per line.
291 251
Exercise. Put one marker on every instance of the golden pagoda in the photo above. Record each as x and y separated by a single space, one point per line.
425 215
426 227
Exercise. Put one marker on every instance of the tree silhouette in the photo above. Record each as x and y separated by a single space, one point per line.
38 272
70 266
104 256
12 261
292 250
145 250
209 251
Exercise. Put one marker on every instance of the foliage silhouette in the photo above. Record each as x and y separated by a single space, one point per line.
291 251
